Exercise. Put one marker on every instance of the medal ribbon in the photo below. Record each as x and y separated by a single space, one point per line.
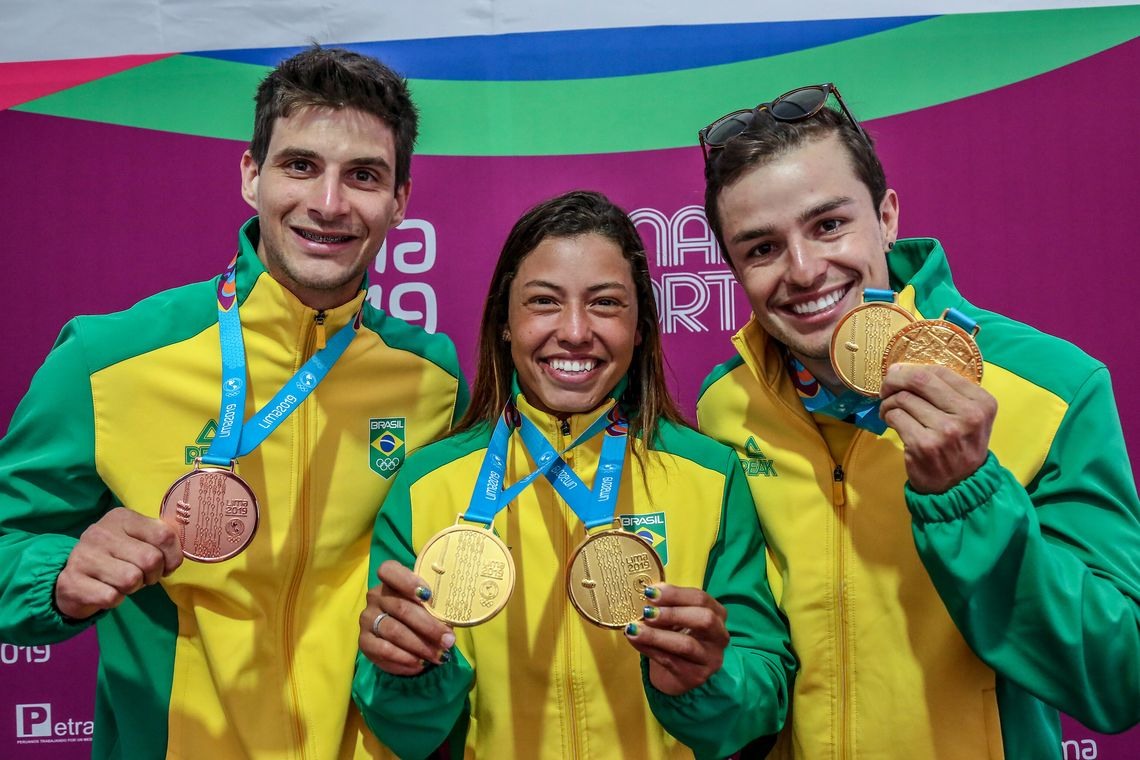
489 496
234 439
596 507
958 318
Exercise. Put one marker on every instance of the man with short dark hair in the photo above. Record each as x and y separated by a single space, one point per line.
312 398
958 560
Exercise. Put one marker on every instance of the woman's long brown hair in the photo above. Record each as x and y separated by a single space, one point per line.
646 399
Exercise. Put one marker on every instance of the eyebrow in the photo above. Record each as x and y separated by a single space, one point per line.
292 152
808 214
559 289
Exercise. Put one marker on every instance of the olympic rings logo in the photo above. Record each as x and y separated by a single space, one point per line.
388 463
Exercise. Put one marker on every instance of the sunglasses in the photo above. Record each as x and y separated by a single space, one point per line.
796 105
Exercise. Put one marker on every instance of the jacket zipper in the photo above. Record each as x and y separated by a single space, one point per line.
840 502
567 619
312 340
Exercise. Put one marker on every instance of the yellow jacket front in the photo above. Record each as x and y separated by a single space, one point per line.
253 656
537 680
953 625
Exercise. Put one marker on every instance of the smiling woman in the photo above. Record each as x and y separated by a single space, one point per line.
466 647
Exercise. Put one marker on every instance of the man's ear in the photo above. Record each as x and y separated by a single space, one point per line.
250 172
889 217
403 192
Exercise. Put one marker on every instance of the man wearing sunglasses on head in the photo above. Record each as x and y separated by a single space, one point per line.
957 552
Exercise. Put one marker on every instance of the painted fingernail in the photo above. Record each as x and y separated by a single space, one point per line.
632 629
652 592
445 657
423 593
649 613
447 640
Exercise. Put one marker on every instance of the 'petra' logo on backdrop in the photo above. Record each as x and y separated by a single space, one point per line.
386 452
34 725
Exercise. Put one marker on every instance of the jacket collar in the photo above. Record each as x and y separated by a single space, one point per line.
551 425
274 300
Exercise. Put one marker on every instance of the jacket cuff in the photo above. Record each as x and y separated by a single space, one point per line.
962 499
687 716
433 679
45 623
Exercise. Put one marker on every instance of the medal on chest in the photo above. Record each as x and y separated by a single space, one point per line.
860 340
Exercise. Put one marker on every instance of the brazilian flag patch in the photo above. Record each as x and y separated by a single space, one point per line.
386 452
651 527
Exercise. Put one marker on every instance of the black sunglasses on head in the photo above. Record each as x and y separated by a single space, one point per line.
795 105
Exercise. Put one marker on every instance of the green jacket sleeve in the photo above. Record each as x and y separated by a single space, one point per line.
749 696
411 715
1044 582
49 493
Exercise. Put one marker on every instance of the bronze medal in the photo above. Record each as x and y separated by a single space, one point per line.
214 512
470 573
607 577
936 341
860 341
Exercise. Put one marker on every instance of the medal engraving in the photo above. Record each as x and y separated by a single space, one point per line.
470 573
936 341
214 513
860 341
607 577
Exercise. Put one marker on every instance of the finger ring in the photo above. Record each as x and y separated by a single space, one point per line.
376 624
685 631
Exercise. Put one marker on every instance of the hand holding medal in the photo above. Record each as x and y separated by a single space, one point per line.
396 631
933 399
684 635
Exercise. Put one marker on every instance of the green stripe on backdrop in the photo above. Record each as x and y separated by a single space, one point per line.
187 94
892 72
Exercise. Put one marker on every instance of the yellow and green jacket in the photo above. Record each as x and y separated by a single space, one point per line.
539 681
954 625
251 657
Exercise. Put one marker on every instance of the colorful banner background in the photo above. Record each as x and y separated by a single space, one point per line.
1009 134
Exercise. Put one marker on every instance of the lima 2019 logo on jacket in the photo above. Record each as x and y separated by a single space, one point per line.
386 436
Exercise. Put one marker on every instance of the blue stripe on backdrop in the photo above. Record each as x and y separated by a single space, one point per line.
561 55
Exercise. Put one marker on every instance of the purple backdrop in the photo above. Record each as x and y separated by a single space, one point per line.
1032 194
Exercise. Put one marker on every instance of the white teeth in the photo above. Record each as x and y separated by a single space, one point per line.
318 238
819 304
573 365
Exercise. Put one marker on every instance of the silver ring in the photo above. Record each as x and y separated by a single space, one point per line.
376 624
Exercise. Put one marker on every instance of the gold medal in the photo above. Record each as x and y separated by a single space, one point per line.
936 341
607 576
860 341
214 512
470 573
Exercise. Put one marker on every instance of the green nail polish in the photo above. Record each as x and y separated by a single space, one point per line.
423 593
652 592
649 613
445 657
632 629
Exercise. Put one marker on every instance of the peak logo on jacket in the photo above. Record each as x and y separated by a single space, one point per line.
202 443
755 463
386 452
